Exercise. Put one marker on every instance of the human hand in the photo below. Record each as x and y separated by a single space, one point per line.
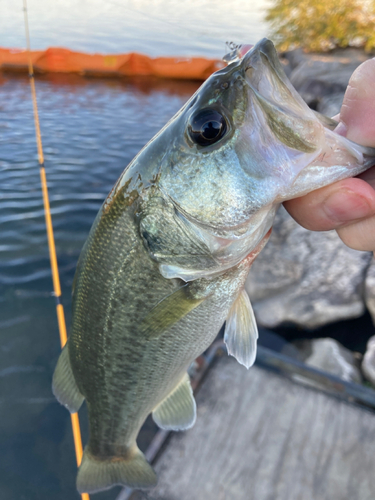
349 205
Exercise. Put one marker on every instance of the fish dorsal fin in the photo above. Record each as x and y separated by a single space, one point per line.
177 411
241 331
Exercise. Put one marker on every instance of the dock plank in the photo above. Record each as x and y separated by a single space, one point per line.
264 437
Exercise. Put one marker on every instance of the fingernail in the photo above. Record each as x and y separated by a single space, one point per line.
341 129
344 207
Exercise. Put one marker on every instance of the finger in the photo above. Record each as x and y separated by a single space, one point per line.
334 206
357 114
360 236
350 200
369 176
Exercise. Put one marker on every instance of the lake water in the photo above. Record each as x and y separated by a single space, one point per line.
91 129
154 27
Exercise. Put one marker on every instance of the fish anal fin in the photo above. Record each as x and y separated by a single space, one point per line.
95 474
177 412
64 386
241 332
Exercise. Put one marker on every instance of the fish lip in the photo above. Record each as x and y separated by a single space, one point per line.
263 55
264 46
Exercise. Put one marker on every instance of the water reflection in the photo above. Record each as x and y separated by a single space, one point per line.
141 84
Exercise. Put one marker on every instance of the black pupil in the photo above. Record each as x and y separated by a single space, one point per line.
210 130
207 127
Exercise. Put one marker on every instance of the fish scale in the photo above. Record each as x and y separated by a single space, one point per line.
168 351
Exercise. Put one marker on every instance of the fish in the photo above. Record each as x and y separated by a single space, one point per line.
166 260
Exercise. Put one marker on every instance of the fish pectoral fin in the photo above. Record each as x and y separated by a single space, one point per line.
177 412
64 386
241 331
168 312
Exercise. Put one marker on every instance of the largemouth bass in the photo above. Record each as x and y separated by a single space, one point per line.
167 258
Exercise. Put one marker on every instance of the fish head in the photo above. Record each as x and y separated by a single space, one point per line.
244 143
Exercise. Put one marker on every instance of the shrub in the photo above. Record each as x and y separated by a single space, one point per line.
321 25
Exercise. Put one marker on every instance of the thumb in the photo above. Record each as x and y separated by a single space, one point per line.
357 115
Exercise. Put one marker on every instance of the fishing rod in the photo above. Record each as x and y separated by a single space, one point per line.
51 240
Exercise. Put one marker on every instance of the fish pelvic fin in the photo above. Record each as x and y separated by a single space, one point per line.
96 475
177 412
241 332
64 386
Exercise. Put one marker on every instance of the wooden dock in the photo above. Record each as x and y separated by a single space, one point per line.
262 436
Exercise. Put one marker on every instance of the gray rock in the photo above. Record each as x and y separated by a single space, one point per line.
330 105
368 363
369 289
332 357
308 278
320 75
287 67
295 57
314 90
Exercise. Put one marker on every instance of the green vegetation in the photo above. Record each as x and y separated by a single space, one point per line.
322 25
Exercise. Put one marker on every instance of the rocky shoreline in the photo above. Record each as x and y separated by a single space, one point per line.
321 79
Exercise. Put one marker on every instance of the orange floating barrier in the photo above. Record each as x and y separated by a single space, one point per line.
18 60
60 60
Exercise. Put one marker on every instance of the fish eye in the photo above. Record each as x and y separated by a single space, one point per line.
207 127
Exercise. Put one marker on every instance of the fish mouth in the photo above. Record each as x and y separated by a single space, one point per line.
265 47
263 52
266 77
291 125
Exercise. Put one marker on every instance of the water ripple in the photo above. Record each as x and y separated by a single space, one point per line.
11 370
91 129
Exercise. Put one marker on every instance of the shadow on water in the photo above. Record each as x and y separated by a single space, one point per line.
143 84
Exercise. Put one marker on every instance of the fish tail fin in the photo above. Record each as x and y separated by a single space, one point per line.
64 386
133 470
